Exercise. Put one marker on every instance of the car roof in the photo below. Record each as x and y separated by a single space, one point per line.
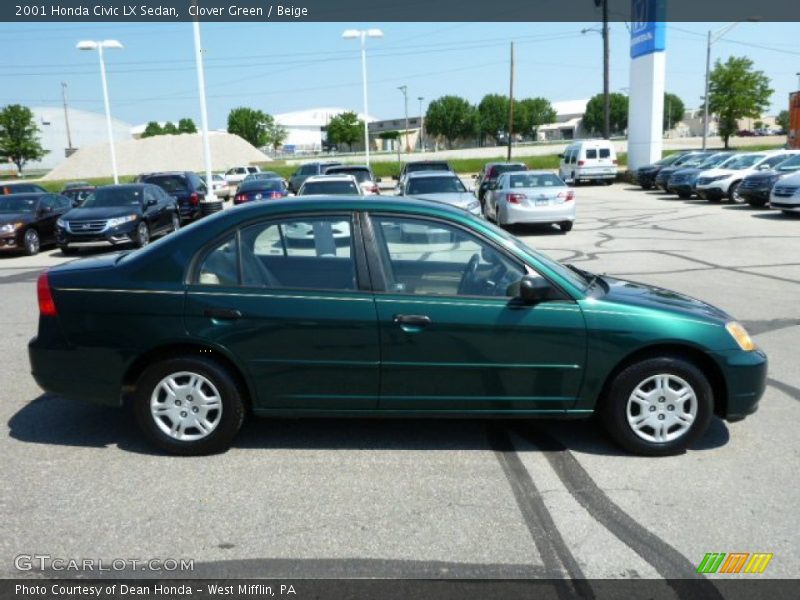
122 186
350 167
332 177
24 194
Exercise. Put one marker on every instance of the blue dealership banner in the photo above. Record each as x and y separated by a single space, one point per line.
648 31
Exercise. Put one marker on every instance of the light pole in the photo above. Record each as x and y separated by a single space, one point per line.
66 117
606 61
714 36
422 125
404 90
201 86
99 46
363 34
798 80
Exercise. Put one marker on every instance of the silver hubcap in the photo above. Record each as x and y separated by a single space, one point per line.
144 235
176 222
662 408
186 406
31 241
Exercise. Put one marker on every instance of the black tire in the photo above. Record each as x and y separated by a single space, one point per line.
142 236
684 195
614 407
609 182
575 181
31 242
757 203
789 213
566 226
733 194
232 405
67 251
647 186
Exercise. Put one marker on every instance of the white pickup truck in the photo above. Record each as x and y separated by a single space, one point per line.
235 175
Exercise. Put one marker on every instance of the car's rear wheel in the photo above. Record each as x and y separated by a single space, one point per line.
566 226
189 406
31 242
142 236
658 406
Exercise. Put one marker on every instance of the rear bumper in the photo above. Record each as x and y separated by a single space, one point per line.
746 379
510 214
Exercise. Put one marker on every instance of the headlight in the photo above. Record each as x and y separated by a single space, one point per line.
121 220
61 223
10 227
473 205
741 336
718 178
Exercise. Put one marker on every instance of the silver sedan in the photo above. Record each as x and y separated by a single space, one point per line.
523 197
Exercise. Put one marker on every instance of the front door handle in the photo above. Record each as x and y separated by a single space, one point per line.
412 323
223 314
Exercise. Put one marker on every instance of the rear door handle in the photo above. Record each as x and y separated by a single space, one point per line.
412 322
227 314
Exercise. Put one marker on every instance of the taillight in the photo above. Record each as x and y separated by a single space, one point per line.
515 198
194 198
47 307
275 195
567 196
239 198
375 189
581 163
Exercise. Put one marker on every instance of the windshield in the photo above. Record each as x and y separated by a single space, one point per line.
18 203
336 188
535 180
715 160
668 160
498 170
790 164
169 183
77 195
695 161
438 166
743 162
108 197
435 185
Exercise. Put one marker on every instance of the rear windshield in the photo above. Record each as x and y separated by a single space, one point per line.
605 153
435 185
431 166
591 153
498 170
127 196
361 175
271 185
534 180
329 187
169 183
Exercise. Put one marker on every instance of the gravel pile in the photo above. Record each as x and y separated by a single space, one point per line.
182 152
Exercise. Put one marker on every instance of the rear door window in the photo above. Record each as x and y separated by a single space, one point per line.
605 153
591 154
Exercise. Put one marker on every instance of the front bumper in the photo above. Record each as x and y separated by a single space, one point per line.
646 178
116 236
758 194
711 192
682 188
11 242
746 379
791 204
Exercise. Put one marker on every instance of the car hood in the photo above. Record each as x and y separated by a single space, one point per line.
648 296
16 217
649 169
687 171
716 172
460 199
102 212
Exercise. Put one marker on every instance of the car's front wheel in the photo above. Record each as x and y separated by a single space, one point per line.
142 236
31 242
658 406
733 193
189 406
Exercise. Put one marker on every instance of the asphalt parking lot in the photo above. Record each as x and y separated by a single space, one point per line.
412 498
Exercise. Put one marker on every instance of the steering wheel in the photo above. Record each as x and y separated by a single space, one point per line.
469 274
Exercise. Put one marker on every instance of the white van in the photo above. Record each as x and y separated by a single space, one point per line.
588 160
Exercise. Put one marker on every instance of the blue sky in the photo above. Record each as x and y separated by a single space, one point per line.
280 67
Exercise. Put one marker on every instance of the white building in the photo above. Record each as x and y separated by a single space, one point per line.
568 124
86 129
306 128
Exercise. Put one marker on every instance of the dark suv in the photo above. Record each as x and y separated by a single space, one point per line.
308 170
185 186
491 171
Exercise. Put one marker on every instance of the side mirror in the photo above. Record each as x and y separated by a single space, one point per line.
46 210
530 289
151 202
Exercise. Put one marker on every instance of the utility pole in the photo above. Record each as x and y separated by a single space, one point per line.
404 89
511 104
66 117
606 84
421 126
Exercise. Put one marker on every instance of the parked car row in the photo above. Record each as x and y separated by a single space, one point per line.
757 178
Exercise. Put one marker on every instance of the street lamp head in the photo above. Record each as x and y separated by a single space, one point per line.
86 45
351 34
91 45
112 44
374 33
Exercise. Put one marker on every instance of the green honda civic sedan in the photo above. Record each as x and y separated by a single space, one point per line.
380 307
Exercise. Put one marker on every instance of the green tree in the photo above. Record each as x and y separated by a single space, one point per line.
493 116
532 113
169 128
186 125
152 129
276 135
782 120
451 117
737 91
19 139
345 128
673 111
251 125
618 113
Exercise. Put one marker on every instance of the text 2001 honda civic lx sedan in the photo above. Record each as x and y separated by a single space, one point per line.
351 306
